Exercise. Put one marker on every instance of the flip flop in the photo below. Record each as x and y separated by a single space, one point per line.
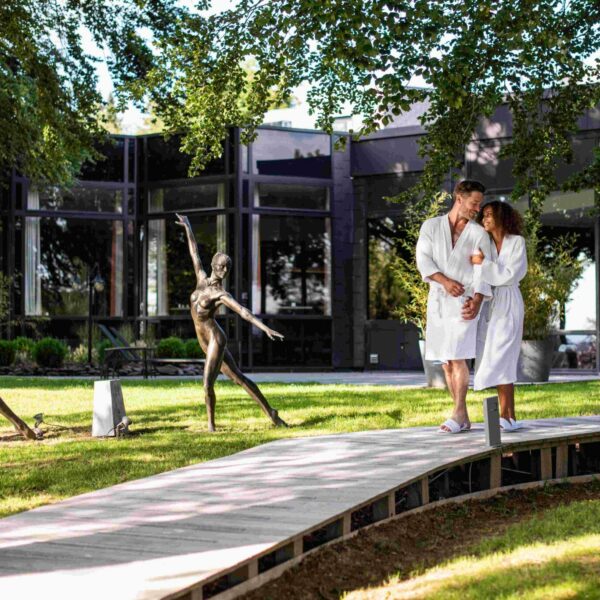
452 425
506 425
516 425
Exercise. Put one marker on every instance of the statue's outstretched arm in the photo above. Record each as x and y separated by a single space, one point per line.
232 304
193 247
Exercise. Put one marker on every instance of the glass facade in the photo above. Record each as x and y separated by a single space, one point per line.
313 250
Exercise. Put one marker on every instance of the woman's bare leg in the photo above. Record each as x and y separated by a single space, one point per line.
230 368
506 395
212 367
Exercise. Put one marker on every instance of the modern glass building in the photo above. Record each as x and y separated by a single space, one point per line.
306 225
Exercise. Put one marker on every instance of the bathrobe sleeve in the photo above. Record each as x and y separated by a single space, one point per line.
513 269
480 284
425 252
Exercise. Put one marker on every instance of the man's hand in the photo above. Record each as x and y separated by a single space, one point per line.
471 308
452 287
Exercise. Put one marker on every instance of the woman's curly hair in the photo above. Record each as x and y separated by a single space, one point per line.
509 218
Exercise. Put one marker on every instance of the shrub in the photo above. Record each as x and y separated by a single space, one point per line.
193 350
78 355
171 347
7 353
49 352
24 345
101 348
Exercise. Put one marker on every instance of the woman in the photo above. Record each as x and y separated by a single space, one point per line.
501 330
204 302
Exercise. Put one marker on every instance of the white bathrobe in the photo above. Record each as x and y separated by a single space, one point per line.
448 336
501 324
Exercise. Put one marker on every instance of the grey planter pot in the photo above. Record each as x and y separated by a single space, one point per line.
434 373
535 360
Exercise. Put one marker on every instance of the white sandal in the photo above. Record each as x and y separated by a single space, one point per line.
506 425
516 425
452 425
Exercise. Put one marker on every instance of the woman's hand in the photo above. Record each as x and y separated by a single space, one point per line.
273 335
183 221
477 258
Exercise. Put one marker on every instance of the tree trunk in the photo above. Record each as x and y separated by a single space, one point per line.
19 424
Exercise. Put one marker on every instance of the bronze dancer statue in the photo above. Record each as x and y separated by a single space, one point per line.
204 302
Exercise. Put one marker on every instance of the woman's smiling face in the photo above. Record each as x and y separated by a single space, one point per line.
488 221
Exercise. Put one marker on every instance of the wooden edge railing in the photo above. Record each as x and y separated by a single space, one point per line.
514 465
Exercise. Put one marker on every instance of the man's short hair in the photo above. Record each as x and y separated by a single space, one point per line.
467 187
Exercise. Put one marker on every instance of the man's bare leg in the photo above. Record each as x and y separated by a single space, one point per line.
457 379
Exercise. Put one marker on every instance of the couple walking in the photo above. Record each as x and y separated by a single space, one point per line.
473 259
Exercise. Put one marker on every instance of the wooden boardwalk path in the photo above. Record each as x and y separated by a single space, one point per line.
199 531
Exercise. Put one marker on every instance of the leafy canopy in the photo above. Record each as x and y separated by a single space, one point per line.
472 55
49 100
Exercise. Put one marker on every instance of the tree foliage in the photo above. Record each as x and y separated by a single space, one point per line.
49 100
471 54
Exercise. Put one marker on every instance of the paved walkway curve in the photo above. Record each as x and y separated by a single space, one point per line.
159 536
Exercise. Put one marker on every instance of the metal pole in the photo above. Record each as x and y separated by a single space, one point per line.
89 319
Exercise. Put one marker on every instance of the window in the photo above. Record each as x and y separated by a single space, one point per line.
275 195
78 198
178 198
59 256
292 153
171 278
292 265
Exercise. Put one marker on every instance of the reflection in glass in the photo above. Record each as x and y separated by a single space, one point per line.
77 198
277 195
210 195
293 153
165 160
59 255
306 343
111 164
291 265
385 247
171 278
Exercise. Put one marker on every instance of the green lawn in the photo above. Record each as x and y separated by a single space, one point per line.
169 426
554 554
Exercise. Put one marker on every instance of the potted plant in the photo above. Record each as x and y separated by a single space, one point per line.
410 282
553 270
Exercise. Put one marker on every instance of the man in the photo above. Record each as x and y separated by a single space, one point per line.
455 293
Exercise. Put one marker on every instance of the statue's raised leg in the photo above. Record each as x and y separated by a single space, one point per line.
230 368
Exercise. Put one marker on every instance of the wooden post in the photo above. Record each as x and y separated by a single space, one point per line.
546 459
252 568
298 546
495 471
19 424
391 504
562 461
346 524
196 593
424 491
